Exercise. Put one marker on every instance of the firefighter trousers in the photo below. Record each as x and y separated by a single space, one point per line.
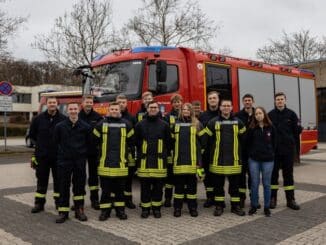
71 171
218 181
151 191
110 185
208 183
284 162
128 187
93 182
42 172
185 186
169 183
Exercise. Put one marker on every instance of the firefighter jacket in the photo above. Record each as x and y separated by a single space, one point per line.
131 151
72 139
153 140
42 132
225 135
261 142
288 131
92 118
206 116
113 135
171 118
187 146
141 114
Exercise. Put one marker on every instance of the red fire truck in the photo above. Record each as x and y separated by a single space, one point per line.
167 70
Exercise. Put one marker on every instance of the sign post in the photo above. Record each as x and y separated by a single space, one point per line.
5 104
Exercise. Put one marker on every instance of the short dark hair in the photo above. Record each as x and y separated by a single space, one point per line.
213 92
248 96
114 103
51 97
279 94
121 97
73 102
152 102
196 102
88 96
225 99
176 97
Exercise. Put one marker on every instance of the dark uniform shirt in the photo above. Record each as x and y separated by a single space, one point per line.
42 132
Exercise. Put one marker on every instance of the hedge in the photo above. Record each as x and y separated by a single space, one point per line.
13 131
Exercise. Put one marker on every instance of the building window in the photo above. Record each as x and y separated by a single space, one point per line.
172 77
21 98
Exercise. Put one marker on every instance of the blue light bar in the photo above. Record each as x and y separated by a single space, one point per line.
151 49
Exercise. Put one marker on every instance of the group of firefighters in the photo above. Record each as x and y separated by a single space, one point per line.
170 151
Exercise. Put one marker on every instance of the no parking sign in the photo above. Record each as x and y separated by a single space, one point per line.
5 88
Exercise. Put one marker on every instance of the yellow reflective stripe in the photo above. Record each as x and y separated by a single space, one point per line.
193 146
184 169
217 143
235 199
96 133
160 151
242 130
119 204
144 151
201 132
40 195
172 119
168 186
156 204
105 205
56 194
274 187
123 148
105 130
209 188
176 148
191 196
229 169
127 193
152 172
219 199
94 188
140 117
289 188
63 209
145 204
76 198
178 196
242 190
114 172
235 144
130 133
208 131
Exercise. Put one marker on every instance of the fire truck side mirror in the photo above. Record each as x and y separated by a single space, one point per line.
161 71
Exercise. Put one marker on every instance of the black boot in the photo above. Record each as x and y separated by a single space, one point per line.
105 214
193 212
79 214
145 213
37 208
95 205
292 204
177 212
242 202
252 211
63 216
209 202
237 210
120 213
167 202
218 211
267 212
157 213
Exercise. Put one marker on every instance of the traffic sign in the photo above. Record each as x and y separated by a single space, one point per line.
5 88
5 103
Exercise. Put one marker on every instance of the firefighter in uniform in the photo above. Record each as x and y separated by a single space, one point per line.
45 157
225 159
211 112
170 118
246 116
146 98
153 141
186 133
91 117
72 137
288 132
123 102
114 135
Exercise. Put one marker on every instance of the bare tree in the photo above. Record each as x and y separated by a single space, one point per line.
80 35
8 28
293 48
172 22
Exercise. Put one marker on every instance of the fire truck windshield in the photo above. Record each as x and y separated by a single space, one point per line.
115 78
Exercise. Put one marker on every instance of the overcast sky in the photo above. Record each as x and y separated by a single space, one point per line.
245 25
